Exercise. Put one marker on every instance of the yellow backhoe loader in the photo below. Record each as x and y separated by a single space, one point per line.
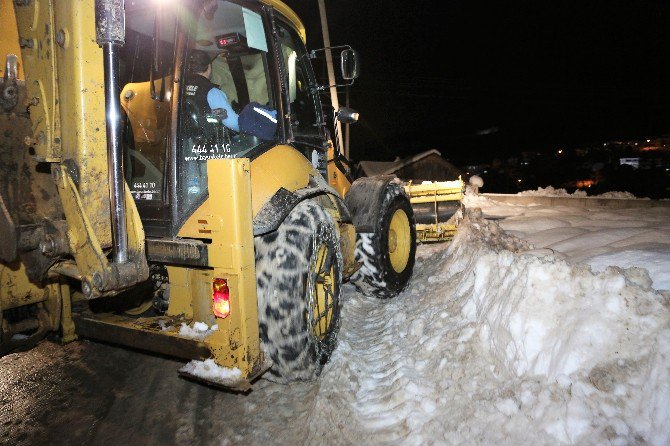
131 213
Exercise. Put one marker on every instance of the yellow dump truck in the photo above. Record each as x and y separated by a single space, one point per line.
132 213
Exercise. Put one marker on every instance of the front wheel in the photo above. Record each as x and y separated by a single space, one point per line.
299 271
387 255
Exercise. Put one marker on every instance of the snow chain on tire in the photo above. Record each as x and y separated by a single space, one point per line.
292 332
377 276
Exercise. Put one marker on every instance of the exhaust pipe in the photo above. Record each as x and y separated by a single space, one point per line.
110 26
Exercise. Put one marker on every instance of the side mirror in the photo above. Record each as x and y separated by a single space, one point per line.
347 115
349 63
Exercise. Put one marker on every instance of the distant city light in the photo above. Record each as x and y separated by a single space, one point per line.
584 183
560 151
649 140
519 180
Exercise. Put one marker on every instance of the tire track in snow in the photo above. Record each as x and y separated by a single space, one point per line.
380 384
375 370
412 370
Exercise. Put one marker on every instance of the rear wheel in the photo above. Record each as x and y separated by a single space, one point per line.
387 255
299 271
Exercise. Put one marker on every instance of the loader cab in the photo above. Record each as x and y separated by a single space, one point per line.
258 61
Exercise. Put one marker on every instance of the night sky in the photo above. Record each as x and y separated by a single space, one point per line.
483 79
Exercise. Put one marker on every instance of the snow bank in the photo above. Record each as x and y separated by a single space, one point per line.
600 237
495 342
618 195
602 335
550 191
540 316
655 263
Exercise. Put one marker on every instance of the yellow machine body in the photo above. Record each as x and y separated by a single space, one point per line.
228 220
290 15
33 137
9 44
64 118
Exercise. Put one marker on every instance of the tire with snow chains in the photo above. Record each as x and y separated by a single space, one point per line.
387 255
299 275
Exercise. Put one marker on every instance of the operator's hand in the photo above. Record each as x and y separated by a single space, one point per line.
220 113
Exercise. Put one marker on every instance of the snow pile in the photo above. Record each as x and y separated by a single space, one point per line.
474 184
550 191
559 318
618 195
495 342
600 335
472 200
476 181
656 264
600 237
199 331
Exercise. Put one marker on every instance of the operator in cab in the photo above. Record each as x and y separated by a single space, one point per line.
207 95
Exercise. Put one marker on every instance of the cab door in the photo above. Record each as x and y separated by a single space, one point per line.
146 73
307 128
236 38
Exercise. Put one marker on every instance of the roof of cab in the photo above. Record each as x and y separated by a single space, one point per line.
292 17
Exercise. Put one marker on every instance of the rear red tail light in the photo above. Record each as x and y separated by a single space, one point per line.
220 298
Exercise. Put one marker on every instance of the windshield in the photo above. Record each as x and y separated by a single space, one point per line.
227 106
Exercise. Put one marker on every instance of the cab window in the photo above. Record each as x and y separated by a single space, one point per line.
303 102
226 98
146 126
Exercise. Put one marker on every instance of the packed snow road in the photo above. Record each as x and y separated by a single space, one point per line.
498 339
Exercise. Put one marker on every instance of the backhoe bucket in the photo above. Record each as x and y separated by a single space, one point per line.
436 205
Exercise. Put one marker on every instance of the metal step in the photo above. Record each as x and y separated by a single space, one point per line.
140 333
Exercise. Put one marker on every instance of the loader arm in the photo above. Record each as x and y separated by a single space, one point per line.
65 91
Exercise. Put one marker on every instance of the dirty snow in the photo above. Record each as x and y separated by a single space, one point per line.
497 342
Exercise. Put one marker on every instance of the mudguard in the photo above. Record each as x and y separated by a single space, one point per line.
364 201
283 201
